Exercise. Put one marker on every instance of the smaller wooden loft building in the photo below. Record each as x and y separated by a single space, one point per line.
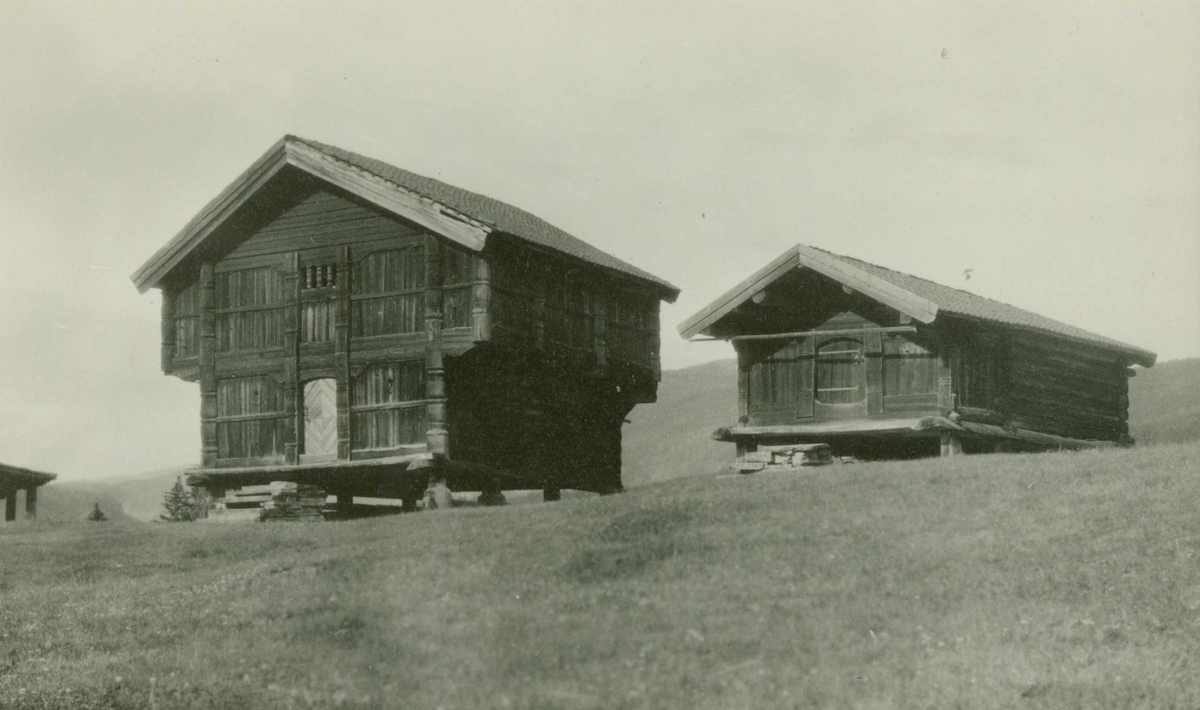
13 480
362 328
881 364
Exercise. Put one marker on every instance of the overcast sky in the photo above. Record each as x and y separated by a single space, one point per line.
1052 147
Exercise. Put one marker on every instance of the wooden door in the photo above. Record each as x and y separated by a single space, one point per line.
841 379
320 418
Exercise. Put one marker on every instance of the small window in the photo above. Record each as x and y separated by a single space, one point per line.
317 276
840 372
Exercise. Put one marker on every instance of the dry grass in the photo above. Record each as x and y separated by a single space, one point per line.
1048 581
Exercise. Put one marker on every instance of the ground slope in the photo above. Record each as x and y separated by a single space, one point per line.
1042 581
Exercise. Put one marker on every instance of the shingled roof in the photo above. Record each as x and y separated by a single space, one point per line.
929 299
454 206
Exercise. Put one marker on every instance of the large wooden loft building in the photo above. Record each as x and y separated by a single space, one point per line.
878 363
362 328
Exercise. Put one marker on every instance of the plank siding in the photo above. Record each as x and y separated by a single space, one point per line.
387 406
322 220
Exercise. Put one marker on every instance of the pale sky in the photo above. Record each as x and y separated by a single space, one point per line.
1053 147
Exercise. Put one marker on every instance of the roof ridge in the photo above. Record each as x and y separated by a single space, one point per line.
928 281
1075 333
365 164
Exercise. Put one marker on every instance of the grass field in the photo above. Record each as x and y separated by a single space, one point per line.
1040 581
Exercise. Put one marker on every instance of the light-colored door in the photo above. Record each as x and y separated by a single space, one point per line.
320 418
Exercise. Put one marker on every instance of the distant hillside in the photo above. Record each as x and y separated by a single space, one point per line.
670 438
66 502
140 495
1164 402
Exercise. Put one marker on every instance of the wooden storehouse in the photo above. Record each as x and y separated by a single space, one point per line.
369 330
878 363
13 480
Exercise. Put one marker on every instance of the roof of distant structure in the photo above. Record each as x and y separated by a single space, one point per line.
15 477
461 215
919 298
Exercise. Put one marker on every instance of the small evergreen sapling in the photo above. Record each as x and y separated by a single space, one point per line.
96 515
182 505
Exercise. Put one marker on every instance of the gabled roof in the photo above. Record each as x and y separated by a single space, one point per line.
457 214
919 298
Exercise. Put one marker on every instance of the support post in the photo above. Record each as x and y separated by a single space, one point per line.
10 506
168 329
481 301
437 437
951 444
341 353
294 424
208 368
30 502
492 494
551 494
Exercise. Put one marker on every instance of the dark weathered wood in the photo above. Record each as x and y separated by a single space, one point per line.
10 507
481 303
294 424
31 496
341 351
208 363
438 437
874 355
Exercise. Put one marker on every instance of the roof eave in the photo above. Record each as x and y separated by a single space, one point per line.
920 309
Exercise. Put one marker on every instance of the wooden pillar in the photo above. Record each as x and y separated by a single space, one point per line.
30 502
551 494
951 444
481 301
945 377
341 352
437 437
743 380
656 342
294 424
10 506
344 504
168 329
208 368
874 357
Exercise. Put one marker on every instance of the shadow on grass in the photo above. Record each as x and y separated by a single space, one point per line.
634 543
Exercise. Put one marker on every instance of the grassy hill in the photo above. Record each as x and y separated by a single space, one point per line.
1164 402
1064 580
673 436
140 495
670 438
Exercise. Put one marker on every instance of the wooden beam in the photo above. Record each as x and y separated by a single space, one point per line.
481 300
341 352
436 436
167 353
208 368
293 430
848 426
814 333
404 203
10 507
31 496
